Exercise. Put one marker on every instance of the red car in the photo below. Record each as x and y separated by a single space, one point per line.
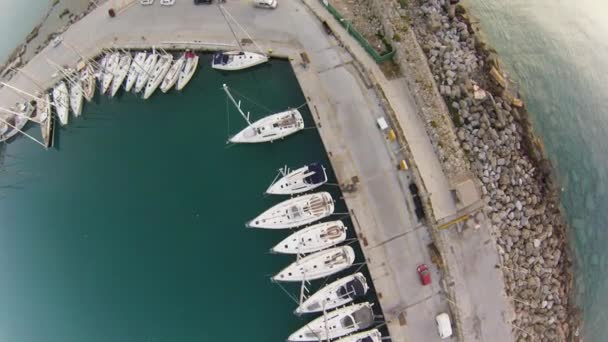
424 274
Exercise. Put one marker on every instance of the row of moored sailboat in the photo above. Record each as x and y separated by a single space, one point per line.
318 256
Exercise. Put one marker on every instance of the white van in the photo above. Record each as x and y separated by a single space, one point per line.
443 325
266 3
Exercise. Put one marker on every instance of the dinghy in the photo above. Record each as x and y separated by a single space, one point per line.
121 72
295 212
60 100
318 265
158 74
269 128
87 80
335 294
109 71
373 335
136 68
336 324
76 97
142 78
306 178
312 239
189 68
173 74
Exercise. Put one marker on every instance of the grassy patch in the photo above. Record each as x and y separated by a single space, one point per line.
404 3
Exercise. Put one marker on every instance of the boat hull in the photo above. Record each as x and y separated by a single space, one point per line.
186 74
237 60
295 212
121 73
142 78
172 75
60 99
313 239
299 181
359 316
135 69
338 293
318 265
373 335
76 98
271 128
87 79
158 74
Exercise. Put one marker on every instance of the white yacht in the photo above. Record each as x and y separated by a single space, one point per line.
189 68
136 68
76 97
173 74
335 294
121 72
312 239
60 100
42 111
158 74
318 265
109 71
336 324
269 128
306 178
372 335
46 120
142 78
102 67
236 60
295 212
87 80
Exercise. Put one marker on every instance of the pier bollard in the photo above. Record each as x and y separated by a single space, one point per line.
403 165
269 51
391 135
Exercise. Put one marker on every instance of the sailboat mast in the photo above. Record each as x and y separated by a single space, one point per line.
230 26
21 91
19 114
237 105
247 33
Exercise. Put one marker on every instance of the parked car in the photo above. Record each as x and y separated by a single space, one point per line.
444 326
424 274
266 3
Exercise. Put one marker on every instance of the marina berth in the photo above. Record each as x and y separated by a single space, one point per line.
336 323
87 80
109 71
318 265
158 73
295 212
60 100
76 97
373 335
135 69
121 72
304 179
142 78
189 68
173 74
338 293
312 239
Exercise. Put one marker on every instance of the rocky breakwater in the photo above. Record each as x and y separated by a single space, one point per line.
521 197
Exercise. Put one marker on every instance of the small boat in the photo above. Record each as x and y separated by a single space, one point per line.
121 72
295 212
269 128
373 335
142 78
158 74
189 68
46 122
76 97
173 74
60 100
87 80
336 324
312 239
318 265
109 71
335 294
135 69
306 178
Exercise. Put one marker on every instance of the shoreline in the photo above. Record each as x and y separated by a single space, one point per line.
496 140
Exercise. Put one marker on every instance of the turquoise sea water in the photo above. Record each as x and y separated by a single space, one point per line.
133 229
557 52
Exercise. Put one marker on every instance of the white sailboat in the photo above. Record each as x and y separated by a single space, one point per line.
295 212
269 128
142 78
60 100
336 324
306 178
173 74
189 68
136 68
102 67
121 72
312 239
158 74
372 335
335 294
236 60
109 71
46 119
318 265
87 80
76 97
